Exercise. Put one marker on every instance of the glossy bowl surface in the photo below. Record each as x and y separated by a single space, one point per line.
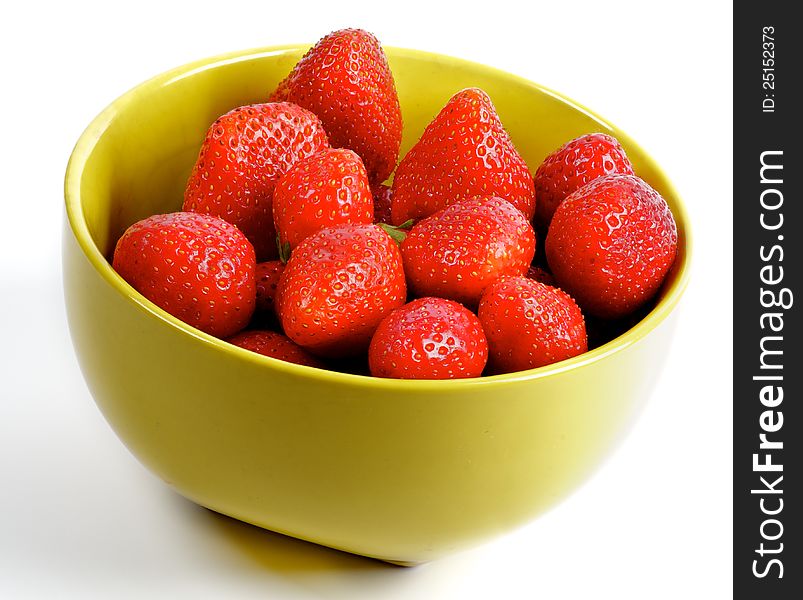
399 470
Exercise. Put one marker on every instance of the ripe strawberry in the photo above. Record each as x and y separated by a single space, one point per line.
267 278
611 243
337 286
429 338
325 189
534 272
529 324
383 197
345 80
275 345
572 166
461 249
199 268
244 154
464 152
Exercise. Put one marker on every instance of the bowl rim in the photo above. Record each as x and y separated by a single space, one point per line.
92 134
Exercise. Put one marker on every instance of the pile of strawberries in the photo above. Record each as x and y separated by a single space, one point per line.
288 227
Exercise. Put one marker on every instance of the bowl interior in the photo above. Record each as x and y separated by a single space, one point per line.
134 159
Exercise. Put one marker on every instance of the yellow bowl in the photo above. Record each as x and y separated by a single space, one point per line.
398 470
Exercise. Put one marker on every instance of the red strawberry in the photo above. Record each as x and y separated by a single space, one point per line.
275 345
534 272
530 324
611 243
325 189
429 338
572 166
383 196
345 80
337 286
458 251
464 152
244 154
199 268
267 278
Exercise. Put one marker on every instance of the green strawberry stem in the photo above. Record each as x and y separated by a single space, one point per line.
284 250
397 232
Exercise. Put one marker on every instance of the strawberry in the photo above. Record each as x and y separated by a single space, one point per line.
345 80
535 273
337 286
383 196
529 324
267 278
325 189
244 154
275 345
199 268
459 250
464 152
572 166
429 338
611 243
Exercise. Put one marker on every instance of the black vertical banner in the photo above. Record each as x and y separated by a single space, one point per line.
768 297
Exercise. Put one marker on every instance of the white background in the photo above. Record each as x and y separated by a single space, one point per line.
79 517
